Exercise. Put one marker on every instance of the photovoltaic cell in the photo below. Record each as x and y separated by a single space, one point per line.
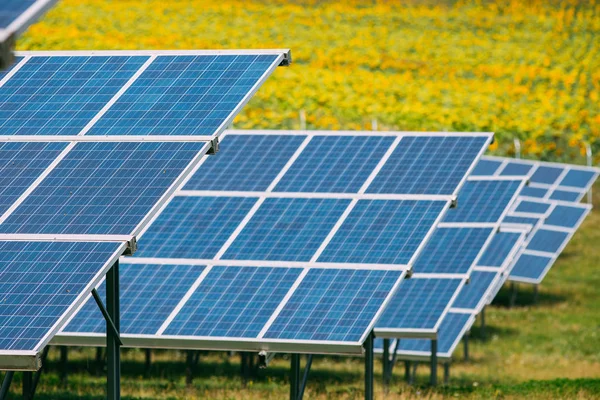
382 231
233 302
577 178
509 219
339 164
148 294
547 240
450 330
516 169
184 95
419 304
532 207
530 266
483 201
533 191
286 229
427 165
547 175
102 188
39 281
245 162
60 95
565 195
194 227
499 249
452 250
20 165
471 294
566 216
486 167
333 305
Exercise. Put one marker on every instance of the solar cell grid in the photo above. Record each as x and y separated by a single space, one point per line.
532 207
499 249
451 330
486 167
530 267
564 195
546 240
515 168
472 294
566 216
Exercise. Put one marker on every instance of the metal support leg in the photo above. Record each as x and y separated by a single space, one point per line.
513 294
189 367
294 376
305 377
413 375
433 375
99 360
148 361
446 373
535 294
385 361
27 385
369 367
113 342
244 367
64 365
407 371
8 377
466 344
483 322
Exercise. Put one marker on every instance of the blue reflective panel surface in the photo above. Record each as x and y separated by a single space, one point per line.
20 165
547 175
10 10
578 178
514 168
472 294
499 249
482 201
532 267
194 227
521 220
184 95
245 162
452 250
339 164
428 165
565 216
418 304
486 167
532 207
334 305
286 229
547 240
565 195
233 302
39 281
102 188
60 95
382 231
148 295
533 192
451 330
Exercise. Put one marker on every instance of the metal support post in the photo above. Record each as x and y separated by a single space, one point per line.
413 375
189 367
27 385
64 365
8 377
517 143
113 341
407 371
590 162
483 322
535 294
446 373
433 371
309 359
374 125
385 361
369 367
466 344
244 367
99 360
513 294
302 120
148 363
294 376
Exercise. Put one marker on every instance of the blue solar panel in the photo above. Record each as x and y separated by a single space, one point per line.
333 305
515 168
428 165
20 165
450 330
533 192
499 249
286 229
148 294
529 266
521 220
547 240
61 95
483 201
452 250
39 281
339 164
546 175
471 294
382 231
578 178
565 216
419 304
10 10
185 95
194 227
102 188
532 207
233 301
486 167
245 162
564 195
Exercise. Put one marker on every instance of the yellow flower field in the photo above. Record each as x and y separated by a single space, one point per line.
526 69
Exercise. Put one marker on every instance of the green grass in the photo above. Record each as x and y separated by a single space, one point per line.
546 350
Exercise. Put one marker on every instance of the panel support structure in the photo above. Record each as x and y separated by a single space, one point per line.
433 377
113 342
386 364
294 376
369 367
8 377
466 346
446 373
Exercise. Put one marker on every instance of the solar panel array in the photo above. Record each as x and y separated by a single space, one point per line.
79 201
297 248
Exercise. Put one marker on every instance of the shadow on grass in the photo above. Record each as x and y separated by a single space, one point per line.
482 335
526 297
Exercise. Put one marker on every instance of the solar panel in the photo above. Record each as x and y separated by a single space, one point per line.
296 263
472 294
